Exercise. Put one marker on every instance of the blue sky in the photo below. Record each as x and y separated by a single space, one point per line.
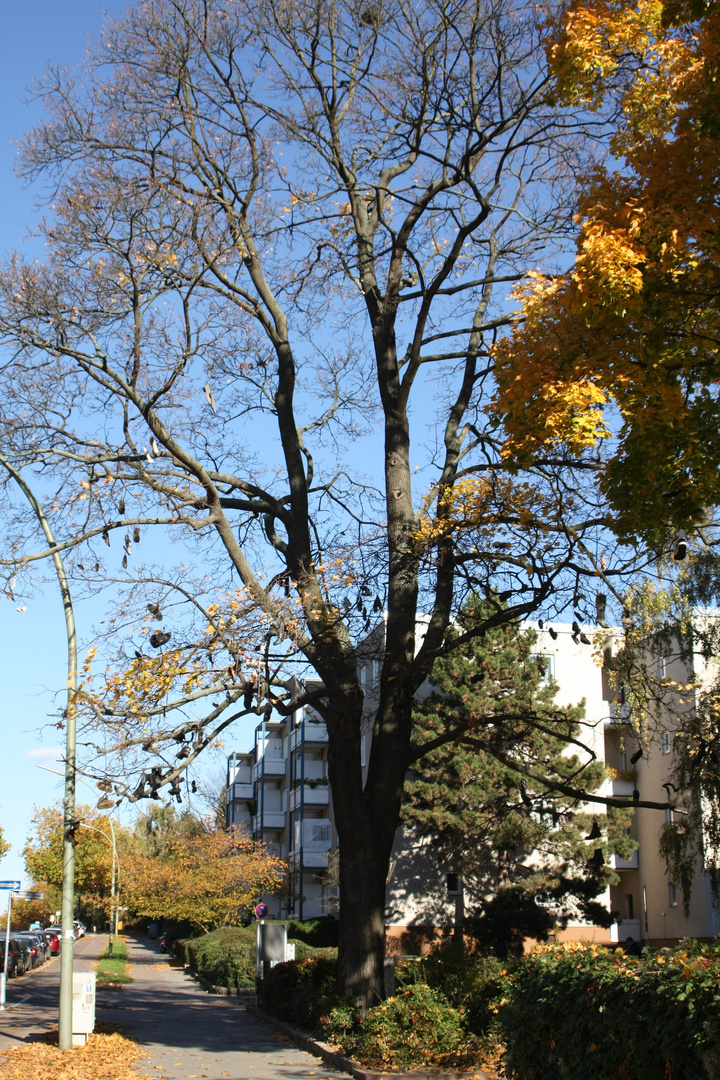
32 643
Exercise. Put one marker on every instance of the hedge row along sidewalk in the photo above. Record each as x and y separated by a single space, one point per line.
106 1055
577 1010
582 1011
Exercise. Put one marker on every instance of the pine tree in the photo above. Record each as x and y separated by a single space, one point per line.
514 841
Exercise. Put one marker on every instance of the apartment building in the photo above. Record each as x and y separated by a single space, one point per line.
279 790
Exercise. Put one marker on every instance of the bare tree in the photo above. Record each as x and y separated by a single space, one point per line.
278 231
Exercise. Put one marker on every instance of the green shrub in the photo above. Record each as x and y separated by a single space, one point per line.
582 1012
474 985
415 1029
226 957
301 991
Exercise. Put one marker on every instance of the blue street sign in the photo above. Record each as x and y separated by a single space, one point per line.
9 884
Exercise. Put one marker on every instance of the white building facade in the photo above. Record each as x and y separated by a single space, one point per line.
279 791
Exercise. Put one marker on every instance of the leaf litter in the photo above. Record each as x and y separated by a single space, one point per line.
107 1055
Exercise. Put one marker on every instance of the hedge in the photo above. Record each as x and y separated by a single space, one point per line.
226 957
582 1012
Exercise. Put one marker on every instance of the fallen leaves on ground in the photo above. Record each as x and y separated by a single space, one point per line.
107 1055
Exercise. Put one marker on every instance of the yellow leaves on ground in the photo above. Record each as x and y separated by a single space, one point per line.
105 1056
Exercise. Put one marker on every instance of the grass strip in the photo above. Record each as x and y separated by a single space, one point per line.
107 1055
113 970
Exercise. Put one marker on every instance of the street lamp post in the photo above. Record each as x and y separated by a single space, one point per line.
69 825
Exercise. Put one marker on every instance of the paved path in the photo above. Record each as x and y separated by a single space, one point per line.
187 1032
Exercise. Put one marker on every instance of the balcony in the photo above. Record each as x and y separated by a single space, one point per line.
618 787
618 713
272 767
626 928
315 735
626 864
240 791
317 860
271 819
307 795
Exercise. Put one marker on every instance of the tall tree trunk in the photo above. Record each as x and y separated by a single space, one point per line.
363 875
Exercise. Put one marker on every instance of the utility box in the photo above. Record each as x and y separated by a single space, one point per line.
83 1008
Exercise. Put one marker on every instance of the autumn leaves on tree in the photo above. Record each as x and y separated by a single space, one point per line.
170 866
269 325
625 343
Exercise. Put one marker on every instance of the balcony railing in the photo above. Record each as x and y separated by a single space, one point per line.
315 735
626 864
626 928
240 791
618 713
310 796
271 819
312 859
273 767
616 788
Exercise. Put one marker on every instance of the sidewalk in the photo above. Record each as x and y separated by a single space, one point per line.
189 1033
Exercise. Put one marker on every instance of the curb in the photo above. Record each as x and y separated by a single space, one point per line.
333 1057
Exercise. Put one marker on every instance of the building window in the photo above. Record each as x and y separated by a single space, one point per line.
668 816
546 663
665 742
453 883
362 678
662 667
672 899
362 751
629 907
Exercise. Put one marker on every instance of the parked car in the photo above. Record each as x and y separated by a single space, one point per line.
37 950
79 929
41 942
53 939
16 958
29 953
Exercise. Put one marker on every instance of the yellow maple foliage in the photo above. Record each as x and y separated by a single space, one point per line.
625 343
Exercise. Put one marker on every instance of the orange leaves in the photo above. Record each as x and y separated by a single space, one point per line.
475 506
595 42
104 1057
633 325
209 879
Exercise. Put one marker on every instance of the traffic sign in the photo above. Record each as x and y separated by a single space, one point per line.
9 885
26 894
261 911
